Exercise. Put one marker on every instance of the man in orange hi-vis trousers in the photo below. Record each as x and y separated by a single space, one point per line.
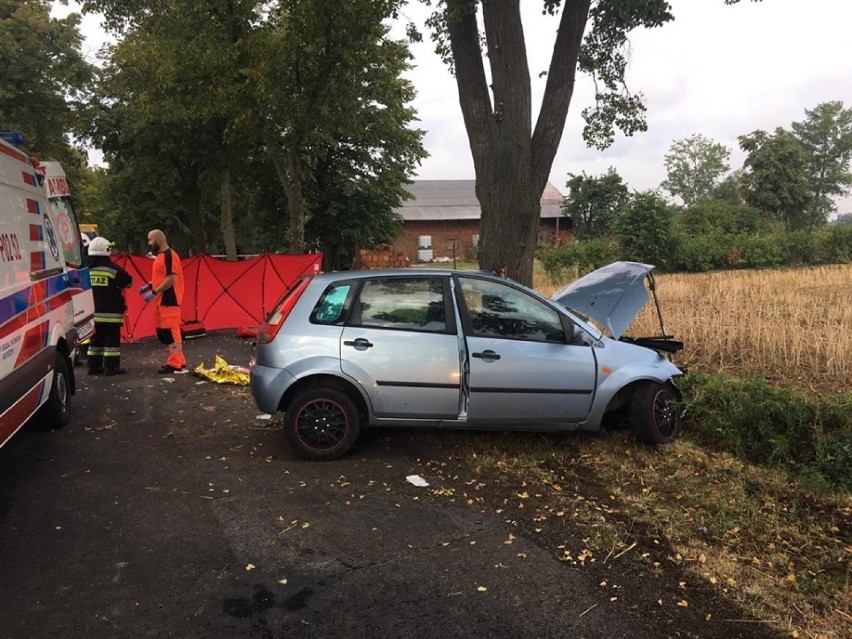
166 286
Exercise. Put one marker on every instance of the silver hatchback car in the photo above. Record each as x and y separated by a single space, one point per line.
461 349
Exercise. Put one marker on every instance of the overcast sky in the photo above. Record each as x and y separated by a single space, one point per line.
718 70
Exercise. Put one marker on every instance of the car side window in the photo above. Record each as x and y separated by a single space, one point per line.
331 306
407 303
498 310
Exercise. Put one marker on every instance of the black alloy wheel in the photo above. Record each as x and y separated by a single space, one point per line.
322 424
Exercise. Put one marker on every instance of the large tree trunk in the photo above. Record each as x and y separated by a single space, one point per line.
509 226
287 170
228 236
294 202
191 196
512 163
192 204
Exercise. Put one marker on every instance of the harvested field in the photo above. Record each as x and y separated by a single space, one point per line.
791 327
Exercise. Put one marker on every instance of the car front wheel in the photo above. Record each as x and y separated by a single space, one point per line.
322 424
655 413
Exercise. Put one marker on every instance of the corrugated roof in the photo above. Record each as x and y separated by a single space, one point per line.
456 200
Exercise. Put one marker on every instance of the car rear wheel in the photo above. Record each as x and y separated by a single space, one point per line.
56 411
655 413
322 424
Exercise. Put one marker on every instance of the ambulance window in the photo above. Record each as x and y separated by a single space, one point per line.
65 226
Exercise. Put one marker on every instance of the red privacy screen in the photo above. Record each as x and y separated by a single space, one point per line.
219 293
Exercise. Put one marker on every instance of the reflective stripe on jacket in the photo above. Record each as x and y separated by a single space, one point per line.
108 284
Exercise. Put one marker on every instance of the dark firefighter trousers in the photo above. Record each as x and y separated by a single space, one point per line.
105 348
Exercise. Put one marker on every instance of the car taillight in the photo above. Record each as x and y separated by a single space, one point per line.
269 329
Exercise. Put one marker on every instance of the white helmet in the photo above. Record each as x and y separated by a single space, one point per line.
85 239
99 246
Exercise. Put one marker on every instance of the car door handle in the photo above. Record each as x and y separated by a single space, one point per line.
359 343
489 354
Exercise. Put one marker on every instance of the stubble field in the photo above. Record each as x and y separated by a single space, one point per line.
792 327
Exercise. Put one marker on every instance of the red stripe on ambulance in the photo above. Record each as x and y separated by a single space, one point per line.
35 340
14 154
14 418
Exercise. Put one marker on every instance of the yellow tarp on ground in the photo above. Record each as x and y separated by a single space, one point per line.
223 373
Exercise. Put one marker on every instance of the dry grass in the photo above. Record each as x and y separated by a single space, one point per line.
791 326
783 554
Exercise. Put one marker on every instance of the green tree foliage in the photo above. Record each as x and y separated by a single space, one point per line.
239 105
357 180
168 115
826 137
730 189
645 229
43 81
720 217
593 201
346 216
695 166
325 75
775 178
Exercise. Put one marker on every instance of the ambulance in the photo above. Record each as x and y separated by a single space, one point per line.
46 304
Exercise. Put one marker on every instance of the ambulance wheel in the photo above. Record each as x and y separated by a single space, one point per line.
322 424
56 411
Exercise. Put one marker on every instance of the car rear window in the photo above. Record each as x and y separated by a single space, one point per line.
331 306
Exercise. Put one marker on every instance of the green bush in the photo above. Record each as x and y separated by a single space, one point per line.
699 253
800 247
836 244
582 257
778 427
759 251
712 250
714 217
645 229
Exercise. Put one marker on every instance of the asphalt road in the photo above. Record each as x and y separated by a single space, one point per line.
167 509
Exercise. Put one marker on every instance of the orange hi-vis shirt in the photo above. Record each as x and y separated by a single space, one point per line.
166 263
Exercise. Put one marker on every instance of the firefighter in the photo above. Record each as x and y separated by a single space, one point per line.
166 286
108 284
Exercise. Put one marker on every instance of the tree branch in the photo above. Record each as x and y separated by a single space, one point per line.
510 76
559 89
470 74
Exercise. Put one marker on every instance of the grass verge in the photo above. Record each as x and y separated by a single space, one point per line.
775 537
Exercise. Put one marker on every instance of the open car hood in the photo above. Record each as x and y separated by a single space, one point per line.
612 295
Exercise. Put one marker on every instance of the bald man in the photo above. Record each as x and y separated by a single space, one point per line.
166 286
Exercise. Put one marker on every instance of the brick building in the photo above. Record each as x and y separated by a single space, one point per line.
445 213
